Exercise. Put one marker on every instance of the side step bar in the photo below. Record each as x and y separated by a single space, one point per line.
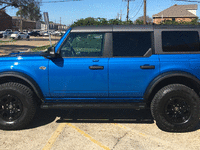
93 105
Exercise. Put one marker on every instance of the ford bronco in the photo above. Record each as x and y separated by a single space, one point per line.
120 66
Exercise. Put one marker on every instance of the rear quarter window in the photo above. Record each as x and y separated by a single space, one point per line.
180 41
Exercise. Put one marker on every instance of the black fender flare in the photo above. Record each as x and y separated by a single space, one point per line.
166 75
27 79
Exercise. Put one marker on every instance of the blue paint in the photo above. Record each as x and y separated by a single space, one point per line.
61 40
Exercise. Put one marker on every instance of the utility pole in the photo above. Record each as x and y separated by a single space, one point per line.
21 23
145 11
127 9
118 16
60 23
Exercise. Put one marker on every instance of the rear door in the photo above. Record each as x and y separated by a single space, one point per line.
133 65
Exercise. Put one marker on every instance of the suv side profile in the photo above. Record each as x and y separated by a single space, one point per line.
130 66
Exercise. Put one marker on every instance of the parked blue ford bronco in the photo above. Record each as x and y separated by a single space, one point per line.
135 67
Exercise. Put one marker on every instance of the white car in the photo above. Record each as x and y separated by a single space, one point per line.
19 35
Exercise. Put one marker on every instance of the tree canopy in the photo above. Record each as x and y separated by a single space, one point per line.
99 21
102 21
140 20
29 9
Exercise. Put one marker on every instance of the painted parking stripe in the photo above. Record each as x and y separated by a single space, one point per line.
88 136
55 135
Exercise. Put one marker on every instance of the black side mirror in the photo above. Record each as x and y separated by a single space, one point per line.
51 52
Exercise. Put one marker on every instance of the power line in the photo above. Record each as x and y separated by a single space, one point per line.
188 1
133 10
138 10
60 1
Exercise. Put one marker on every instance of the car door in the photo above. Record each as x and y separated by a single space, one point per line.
81 71
133 66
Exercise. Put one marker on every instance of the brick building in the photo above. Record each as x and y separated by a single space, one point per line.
5 21
176 13
26 24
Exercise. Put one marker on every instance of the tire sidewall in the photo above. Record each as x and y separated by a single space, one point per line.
161 100
24 98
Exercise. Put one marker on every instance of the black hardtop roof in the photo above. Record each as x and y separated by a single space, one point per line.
116 28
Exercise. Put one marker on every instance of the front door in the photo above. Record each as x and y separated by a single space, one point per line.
81 71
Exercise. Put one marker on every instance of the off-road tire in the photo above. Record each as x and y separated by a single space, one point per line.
176 108
17 107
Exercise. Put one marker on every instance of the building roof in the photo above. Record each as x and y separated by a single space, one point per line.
177 11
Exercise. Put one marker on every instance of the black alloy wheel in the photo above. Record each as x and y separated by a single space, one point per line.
11 107
176 108
17 106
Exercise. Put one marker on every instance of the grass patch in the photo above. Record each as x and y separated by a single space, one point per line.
7 41
41 48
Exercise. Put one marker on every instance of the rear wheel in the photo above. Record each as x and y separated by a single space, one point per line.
176 108
17 107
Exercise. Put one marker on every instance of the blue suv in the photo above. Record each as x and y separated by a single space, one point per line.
135 67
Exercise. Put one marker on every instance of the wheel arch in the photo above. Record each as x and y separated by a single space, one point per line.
24 79
167 78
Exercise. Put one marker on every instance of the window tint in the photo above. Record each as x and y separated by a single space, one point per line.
131 43
180 41
83 45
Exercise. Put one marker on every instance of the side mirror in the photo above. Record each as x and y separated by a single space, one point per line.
51 52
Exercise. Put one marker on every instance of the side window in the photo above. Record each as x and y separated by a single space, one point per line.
83 45
180 41
131 43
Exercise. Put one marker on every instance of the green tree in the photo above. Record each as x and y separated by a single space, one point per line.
170 22
15 3
140 20
99 21
30 11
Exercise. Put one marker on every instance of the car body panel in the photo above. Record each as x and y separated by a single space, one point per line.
24 64
71 77
127 79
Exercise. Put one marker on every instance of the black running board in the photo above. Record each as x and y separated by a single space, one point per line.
93 105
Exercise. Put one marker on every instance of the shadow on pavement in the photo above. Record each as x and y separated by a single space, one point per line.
44 117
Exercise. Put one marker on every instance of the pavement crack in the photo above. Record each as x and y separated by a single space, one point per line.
118 140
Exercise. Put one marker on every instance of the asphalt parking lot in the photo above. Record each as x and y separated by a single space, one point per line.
99 129
90 129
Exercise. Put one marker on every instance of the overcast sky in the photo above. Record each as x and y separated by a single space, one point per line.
73 10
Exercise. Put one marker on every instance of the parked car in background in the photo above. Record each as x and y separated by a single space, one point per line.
34 33
19 35
1 34
46 34
7 33
55 33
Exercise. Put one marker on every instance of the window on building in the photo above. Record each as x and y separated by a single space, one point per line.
83 45
180 41
131 43
173 19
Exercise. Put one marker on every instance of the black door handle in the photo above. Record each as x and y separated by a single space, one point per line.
96 67
147 67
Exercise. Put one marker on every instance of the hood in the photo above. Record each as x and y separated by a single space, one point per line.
25 54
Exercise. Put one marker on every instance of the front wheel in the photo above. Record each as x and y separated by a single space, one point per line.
17 107
176 108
